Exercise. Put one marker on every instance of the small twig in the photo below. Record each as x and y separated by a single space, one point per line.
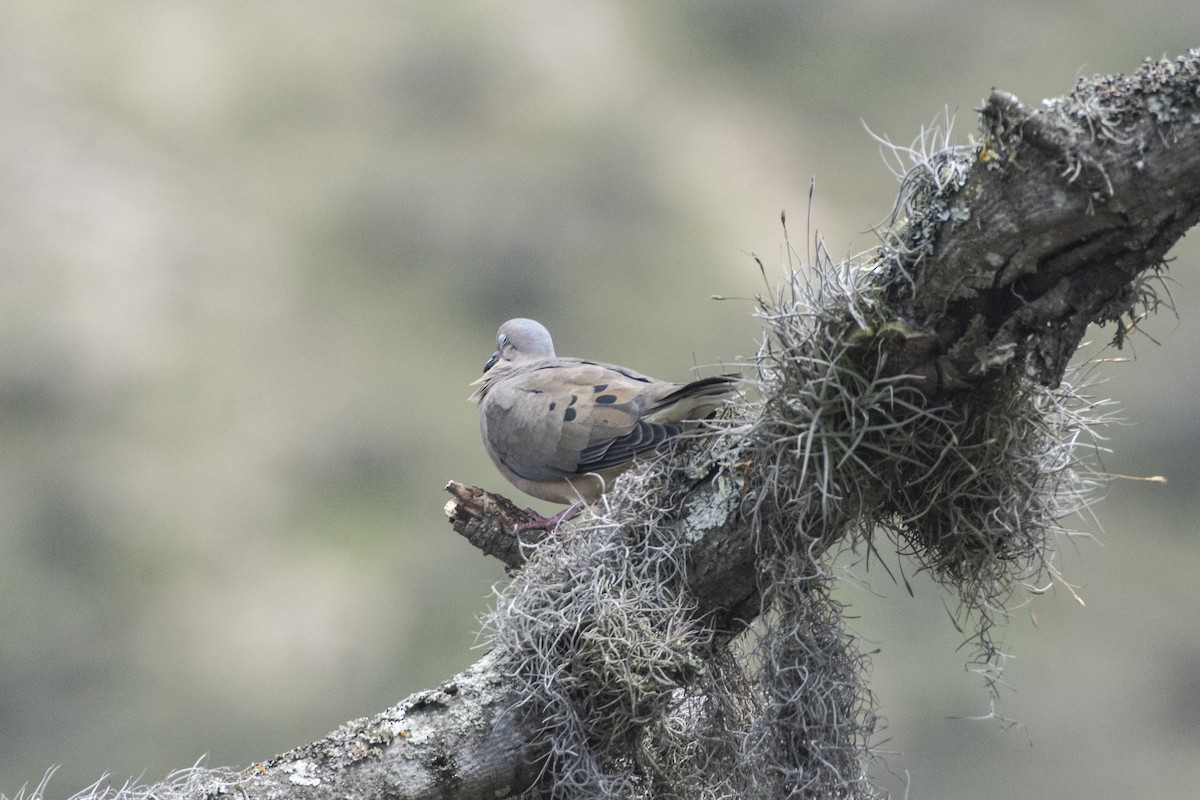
487 520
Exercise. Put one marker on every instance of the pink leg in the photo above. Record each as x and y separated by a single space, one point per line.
547 523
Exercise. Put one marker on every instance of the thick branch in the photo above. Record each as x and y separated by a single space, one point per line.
1009 251
1053 225
455 741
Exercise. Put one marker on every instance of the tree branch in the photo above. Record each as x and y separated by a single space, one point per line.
971 308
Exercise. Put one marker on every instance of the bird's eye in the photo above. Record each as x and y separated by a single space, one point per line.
502 339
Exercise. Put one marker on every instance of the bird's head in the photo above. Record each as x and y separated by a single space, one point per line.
520 340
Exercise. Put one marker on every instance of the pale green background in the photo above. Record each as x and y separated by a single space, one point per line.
253 253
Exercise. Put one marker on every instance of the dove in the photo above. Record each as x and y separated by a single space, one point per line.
561 429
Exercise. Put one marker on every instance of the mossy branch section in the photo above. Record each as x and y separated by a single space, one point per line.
920 393
1051 222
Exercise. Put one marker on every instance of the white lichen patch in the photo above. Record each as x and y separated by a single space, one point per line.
712 509
302 773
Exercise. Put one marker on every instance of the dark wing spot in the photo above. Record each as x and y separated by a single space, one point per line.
599 387
553 405
573 399
570 414
606 399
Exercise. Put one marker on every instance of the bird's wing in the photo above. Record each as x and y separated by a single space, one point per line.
555 418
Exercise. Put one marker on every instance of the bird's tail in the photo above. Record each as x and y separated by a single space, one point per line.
695 400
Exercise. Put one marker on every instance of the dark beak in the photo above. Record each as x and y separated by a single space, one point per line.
491 362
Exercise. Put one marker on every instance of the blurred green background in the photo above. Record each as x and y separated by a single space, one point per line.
253 254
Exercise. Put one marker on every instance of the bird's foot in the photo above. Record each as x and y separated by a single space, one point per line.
550 524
